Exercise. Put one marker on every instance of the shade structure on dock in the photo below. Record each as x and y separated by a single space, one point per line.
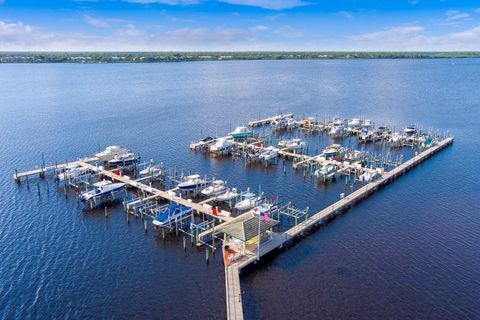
246 228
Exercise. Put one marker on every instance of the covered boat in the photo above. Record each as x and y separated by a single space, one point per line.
171 213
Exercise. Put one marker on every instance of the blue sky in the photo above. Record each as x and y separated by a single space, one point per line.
192 25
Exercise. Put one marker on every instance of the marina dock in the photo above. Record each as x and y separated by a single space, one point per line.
261 122
321 217
248 221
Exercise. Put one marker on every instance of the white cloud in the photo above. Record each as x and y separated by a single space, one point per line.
392 33
415 38
455 15
288 32
260 28
274 17
101 23
346 14
269 4
21 37
477 10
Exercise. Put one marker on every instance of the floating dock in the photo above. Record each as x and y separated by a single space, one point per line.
233 289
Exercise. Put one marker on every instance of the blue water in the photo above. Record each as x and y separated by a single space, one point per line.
410 251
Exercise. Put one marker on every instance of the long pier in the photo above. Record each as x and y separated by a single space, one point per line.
232 290
261 122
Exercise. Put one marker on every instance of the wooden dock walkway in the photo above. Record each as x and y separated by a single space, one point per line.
261 122
42 170
337 207
234 296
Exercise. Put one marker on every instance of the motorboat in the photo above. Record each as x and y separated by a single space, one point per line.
71 172
192 182
152 170
291 123
268 154
354 123
280 122
293 144
427 142
171 213
123 160
264 210
368 176
326 172
230 194
206 141
366 135
332 151
217 188
337 130
396 140
102 188
241 132
249 201
111 152
221 145
410 130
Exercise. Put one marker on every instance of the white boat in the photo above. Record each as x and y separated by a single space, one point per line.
230 194
396 140
291 123
151 170
293 144
368 176
366 135
337 130
221 145
326 172
280 122
265 209
241 132
123 160
192 182
102 188
72 171
111 152
268 154
217 188
354 123
249 201
410 130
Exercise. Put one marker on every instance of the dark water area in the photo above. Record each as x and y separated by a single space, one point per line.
409 251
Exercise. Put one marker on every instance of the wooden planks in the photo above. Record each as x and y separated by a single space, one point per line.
233 293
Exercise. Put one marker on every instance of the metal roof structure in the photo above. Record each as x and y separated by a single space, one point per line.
246 228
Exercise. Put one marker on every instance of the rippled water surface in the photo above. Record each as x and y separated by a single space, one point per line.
410 251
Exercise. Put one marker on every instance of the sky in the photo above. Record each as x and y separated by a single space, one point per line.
239 25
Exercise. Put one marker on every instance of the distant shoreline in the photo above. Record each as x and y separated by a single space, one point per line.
151 57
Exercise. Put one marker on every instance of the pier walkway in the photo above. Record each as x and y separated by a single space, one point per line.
337 207
234 297
261 122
